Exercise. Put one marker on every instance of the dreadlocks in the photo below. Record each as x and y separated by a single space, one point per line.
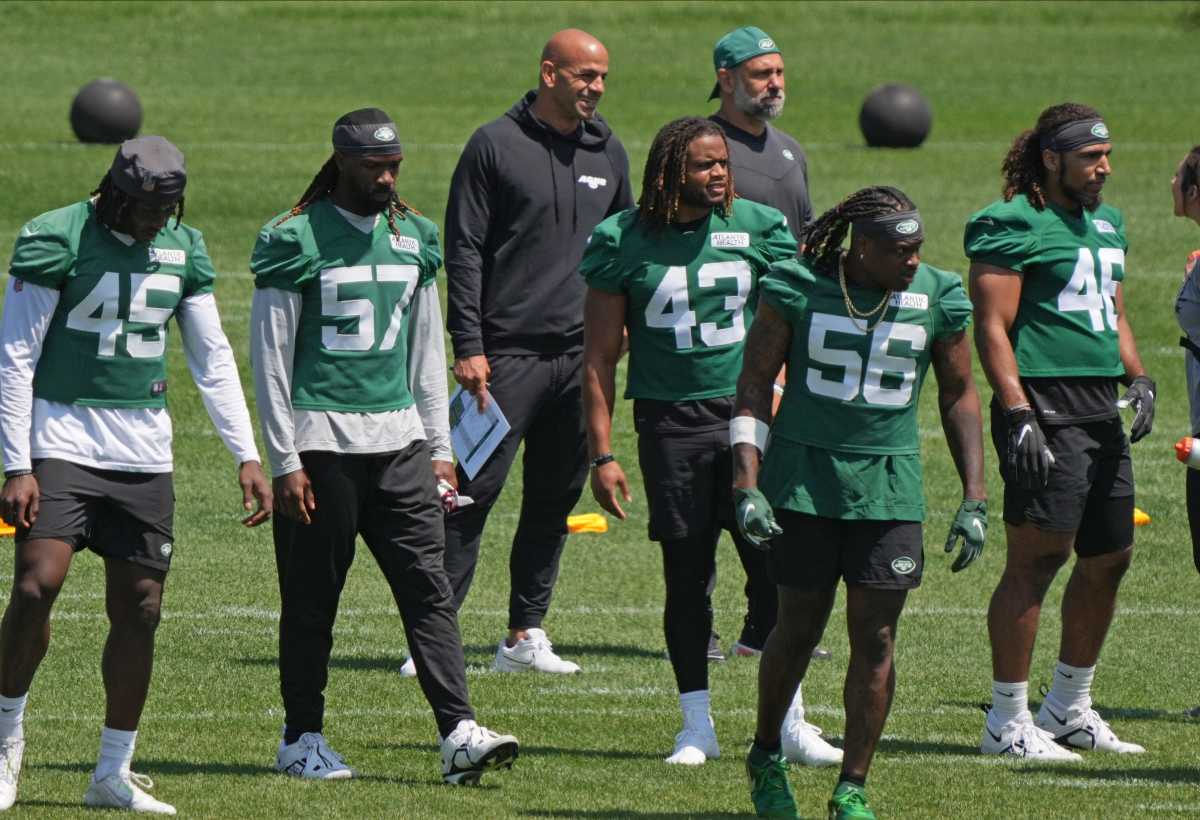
326 180
1022 168
112 203
823 239
666 169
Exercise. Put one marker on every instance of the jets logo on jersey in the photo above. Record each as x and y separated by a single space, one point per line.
787 154
730 239
168 256
594 183
402 244
912 301
1103 226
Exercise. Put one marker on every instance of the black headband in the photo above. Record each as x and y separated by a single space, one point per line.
1072 136
898 226
364 138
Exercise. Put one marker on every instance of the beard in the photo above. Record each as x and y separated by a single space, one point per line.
763 107
1082 196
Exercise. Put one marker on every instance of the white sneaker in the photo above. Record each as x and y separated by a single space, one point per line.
409 668
803 744
471 750
1021 738
532 654
695 744
123 790
310 757
1083 729
11 751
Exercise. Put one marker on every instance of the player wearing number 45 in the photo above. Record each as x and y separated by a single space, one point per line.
350 374
839 491
87 437
1047 266
680 271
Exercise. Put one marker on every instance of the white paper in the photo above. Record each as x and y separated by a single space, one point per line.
475 435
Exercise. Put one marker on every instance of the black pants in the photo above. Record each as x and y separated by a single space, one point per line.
542 400
1193 510
391 500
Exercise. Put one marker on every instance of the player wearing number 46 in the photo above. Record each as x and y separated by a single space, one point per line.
87 437
839 491
1047 272
350 374
680 271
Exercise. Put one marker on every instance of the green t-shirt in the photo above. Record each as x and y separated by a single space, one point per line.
1066 323
690 294
853 394
106 342
356 291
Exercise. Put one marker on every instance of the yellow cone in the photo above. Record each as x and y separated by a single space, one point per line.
1140 518
588 522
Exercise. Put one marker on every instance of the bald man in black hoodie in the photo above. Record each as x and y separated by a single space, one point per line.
525 196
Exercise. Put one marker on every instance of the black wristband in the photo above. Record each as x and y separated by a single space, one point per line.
16 473
602 459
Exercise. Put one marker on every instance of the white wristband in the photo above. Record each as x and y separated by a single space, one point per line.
748 430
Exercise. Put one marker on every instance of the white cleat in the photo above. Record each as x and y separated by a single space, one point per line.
802 743
1021 738
1082 729
409 668
471 750
311 758
695 744
123 790
11 751
534 653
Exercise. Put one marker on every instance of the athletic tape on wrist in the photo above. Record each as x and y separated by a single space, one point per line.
748 430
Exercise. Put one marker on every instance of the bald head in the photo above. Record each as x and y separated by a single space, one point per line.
570 79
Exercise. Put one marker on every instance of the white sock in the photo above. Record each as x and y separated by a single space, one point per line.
116 752
696 708
1073 686
795 712
1010 701
12 717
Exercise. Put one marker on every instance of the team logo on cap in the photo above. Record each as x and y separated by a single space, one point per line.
908 226
766 42
1100 130
903 565
384 134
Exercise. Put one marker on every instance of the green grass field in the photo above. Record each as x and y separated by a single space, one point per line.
250 91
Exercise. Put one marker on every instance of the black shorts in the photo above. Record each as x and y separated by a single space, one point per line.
814 552
116 514
1090 491
687 465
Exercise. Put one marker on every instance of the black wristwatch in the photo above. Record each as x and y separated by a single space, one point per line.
602 459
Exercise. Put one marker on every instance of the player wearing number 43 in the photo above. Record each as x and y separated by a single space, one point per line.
680 271
839 492
350 374
87 437
1047 271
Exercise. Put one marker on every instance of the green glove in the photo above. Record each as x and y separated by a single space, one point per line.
755 518
970 523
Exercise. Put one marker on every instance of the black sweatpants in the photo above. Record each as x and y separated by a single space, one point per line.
1193 510
391 500
542 399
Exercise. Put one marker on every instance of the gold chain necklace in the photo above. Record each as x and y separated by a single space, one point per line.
856 314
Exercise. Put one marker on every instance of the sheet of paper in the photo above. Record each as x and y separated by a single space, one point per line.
474 435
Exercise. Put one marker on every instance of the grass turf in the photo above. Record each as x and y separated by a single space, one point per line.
249 92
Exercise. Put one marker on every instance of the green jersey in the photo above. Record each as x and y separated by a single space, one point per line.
845 442
690 294
106 342
356 289
1066 322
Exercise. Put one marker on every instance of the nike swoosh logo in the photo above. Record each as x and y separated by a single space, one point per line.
1065 675
6 711
1007 694
1062 721
995 736
977 525
1024 432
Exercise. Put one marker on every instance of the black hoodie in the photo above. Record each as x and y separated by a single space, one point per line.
523 202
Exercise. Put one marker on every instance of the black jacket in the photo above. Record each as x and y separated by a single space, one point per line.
523 202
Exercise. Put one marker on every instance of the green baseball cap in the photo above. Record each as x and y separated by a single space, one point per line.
737 47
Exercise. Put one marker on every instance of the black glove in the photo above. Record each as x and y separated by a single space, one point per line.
1141 395
1029 459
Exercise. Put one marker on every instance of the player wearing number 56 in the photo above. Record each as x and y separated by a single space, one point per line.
1047 280
350 375
87 438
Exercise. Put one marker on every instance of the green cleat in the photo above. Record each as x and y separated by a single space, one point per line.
849 802
769 787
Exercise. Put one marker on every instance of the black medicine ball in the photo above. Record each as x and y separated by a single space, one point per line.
106 111
895 116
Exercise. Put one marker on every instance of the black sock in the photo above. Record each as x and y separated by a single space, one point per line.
768 750
861 782
291 735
